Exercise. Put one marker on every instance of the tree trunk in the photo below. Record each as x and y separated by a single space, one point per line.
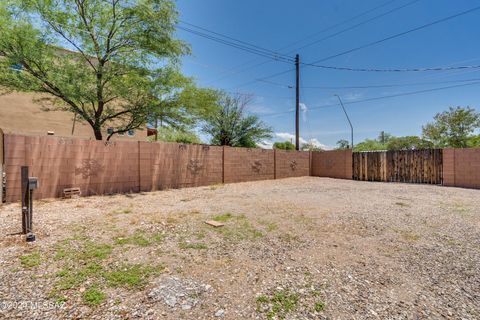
98 133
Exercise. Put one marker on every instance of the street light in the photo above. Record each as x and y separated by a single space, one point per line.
345 111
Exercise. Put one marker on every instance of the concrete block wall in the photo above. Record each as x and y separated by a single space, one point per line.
93 166
247 164
99 168
461 167
291 164
172 165
332 164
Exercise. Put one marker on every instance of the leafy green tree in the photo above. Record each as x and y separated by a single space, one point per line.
384 137
473 141
177 103
369 145
232 126
287 145
107 80
168 134
452 128
310 146
408 143
343 144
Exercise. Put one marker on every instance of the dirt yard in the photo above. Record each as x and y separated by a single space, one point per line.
301 248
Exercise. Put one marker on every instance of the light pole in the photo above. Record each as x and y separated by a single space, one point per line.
348 118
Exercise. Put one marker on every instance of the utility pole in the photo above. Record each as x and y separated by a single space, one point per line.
348 118
297 103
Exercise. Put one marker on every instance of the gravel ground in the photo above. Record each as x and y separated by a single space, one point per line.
300 248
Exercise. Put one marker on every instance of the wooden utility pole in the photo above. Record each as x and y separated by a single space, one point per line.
297 103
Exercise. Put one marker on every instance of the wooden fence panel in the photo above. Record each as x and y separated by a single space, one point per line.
411 166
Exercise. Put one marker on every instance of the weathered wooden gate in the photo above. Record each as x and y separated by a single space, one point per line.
413 166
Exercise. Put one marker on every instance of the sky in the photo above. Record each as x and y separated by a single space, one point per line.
287 26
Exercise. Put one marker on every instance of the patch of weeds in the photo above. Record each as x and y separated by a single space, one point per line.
158 237
190 245
278 305
242 230
60 299
410 236
93 296
131 276
319 306
308 221
223 217
121 211
216 186
136 239
93 250
263 299
29 261
60 254
70 278
172 220
402 204
289 237
461 209
200 235
270 226
139 239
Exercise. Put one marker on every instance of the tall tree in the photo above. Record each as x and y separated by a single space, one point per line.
343 144
169 134
106 78
408 143
177 103
232 126
287 145
452 128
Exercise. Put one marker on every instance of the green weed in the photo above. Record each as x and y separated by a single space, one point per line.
93 296
196 246
29 261
131 276
278 305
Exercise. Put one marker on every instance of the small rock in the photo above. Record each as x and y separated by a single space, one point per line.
219 313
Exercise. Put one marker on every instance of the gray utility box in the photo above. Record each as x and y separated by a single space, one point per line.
33 183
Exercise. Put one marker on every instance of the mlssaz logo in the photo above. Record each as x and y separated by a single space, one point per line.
293 165
194 166
89 168
257 166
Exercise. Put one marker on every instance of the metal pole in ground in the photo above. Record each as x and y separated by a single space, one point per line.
25 197
297 103
348 118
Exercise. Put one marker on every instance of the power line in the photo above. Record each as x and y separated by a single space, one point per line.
378 41
252 50
380 98
359 24
390 85
404 94
333 35
398 35
392 70
274 53
231 73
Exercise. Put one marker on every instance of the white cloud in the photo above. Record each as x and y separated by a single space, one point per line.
265 144
260 109
352 96
285 136
303 110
